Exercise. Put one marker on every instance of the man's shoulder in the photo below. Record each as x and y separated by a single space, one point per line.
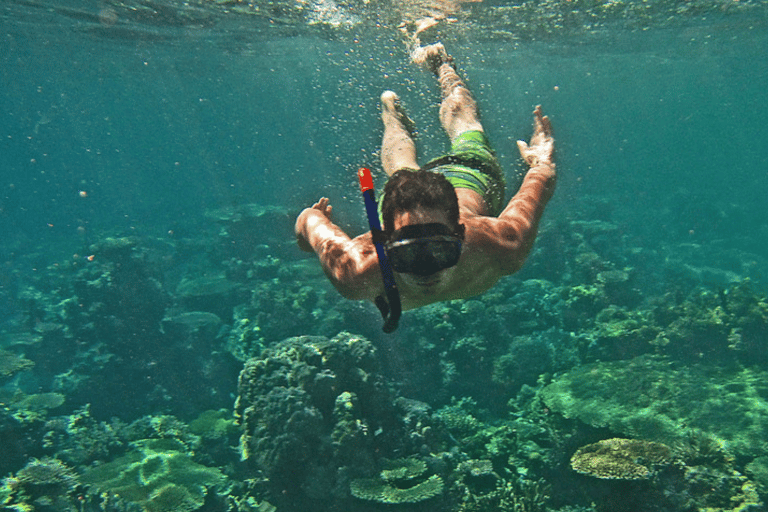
494 239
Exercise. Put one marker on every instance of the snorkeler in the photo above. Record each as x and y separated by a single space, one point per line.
446 231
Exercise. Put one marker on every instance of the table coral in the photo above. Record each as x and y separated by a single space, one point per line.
11 363
381 491
622 459
399 482
159 476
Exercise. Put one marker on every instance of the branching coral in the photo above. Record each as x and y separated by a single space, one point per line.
43 484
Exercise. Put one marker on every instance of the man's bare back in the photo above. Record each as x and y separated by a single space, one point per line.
491 246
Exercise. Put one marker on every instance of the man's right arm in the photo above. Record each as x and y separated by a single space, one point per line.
346 262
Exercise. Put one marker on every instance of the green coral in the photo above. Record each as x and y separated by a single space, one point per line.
657 399
245 339
30 408
475 467
350 432
580 304
478 439
620 459
460 417
729 325
621 330
516 495
114 248
213 424
758 469
158 475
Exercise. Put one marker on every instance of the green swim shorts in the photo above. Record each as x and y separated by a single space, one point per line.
472 164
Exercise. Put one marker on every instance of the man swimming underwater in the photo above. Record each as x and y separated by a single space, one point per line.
447 232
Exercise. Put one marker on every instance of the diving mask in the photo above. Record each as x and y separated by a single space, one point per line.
423 249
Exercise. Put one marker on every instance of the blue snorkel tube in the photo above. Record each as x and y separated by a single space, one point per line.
389 307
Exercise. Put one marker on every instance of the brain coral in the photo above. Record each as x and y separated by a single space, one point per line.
620 459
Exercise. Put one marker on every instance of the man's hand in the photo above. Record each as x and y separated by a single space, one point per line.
304 219
542 143
325 208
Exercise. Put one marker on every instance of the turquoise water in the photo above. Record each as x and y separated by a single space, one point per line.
139 120
176 119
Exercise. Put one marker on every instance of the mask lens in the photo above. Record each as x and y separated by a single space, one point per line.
446 253
424 256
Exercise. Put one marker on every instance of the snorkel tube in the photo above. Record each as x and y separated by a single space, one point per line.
389 306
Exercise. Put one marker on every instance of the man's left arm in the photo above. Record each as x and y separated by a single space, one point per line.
517 225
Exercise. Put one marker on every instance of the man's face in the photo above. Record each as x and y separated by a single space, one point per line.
424 246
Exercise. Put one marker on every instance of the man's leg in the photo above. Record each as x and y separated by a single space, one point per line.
458 110
398 150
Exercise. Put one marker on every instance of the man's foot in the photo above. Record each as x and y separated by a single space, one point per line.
392 111
432 56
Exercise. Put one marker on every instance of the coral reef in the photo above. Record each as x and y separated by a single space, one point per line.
214 424
243 227
726 326
593 339
302 295
31 408
210 293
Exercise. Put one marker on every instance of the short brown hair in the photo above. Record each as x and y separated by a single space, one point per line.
406 190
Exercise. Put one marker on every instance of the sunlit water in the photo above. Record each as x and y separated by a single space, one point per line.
155 123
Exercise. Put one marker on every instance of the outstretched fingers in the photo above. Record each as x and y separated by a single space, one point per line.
324 207
542 144
542 128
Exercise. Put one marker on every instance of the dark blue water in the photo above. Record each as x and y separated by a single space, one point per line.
135 120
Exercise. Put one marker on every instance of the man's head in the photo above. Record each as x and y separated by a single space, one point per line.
421 223
417 192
